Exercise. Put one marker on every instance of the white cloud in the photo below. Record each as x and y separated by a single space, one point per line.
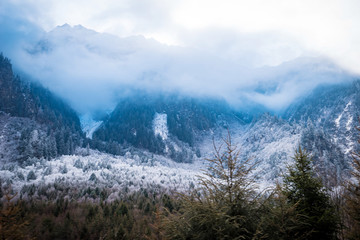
329 27
224 47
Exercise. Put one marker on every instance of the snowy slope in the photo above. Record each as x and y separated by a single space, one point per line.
160 125
89 125
268 141
115 173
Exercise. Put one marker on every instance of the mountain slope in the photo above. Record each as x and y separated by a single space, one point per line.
33 121
323 122
178 127
165 124
334 108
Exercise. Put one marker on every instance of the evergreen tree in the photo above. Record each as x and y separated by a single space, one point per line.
317 218
226 205
353 197
12 225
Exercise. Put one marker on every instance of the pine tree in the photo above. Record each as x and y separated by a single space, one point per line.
279 218
316 214
353 197
226 205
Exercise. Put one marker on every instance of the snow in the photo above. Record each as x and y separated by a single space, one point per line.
347 106
269 141
349 123
350 145
114 172
270 144
160 125
89 125
337 120
346 109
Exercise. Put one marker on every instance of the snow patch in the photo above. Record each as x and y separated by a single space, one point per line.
89 125
349 123
337 120
350 145
160 125
347 106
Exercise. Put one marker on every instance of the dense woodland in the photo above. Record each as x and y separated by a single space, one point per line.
131 124
227 205
38 123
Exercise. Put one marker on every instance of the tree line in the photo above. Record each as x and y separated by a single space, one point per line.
226 205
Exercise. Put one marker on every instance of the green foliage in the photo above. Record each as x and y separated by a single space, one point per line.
226 207
279 218
316 215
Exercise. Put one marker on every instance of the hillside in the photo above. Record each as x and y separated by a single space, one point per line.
34 122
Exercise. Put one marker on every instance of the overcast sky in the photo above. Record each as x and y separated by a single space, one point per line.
206 40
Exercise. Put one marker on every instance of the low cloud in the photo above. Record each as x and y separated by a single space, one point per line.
93 70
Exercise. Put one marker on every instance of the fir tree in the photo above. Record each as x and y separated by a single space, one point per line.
317 218
279 218
353 198
226 205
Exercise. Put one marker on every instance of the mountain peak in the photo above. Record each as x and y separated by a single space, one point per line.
65 25
70 30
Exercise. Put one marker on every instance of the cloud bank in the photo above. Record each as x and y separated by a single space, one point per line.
91 70
329 27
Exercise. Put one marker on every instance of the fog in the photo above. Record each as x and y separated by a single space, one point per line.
92 70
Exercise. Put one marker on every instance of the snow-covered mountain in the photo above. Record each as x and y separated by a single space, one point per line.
174 123
183 129
323 122
33 121
92 71
171 125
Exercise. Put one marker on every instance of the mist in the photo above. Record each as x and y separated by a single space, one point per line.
92 70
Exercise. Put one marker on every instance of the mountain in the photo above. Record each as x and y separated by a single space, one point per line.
183 128
323 122
33 122
107 66
166 124
36 124
329 116
334 108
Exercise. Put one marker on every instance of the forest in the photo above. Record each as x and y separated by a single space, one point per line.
180 120
226 205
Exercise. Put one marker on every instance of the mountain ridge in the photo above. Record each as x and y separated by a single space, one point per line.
182 128
38 123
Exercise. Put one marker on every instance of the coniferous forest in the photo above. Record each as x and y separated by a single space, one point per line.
204 120
227 205
224 202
